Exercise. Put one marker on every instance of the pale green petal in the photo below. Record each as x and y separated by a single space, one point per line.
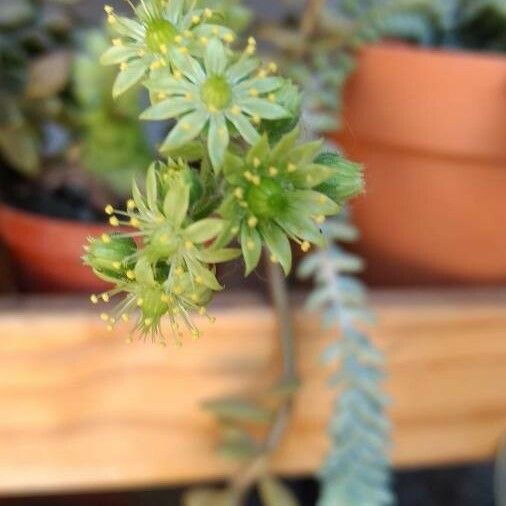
261 85
310 175
278 244
312 202
170 108
209 30
118 54
260 151
301 227
218 139
127 78
190 67
175 205
128 28
170 86
144 272
174 11
233 169
152 189
202 274
244 127
263 108
204 230
216 256
138 198
187 128
251 245
243 68
215 58
284 147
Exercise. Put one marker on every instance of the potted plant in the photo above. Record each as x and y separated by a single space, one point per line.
59 141
428 122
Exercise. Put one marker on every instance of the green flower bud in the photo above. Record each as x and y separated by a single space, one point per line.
110 255
346 181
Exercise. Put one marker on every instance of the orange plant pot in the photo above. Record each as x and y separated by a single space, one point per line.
47 251
430 128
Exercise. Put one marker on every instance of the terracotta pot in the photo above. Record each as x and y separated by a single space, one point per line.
47 251
430 127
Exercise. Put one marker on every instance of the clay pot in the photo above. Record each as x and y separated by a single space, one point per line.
47 251
430 128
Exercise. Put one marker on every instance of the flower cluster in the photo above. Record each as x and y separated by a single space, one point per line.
236 170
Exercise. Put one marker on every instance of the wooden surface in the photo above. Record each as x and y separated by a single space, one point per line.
80 409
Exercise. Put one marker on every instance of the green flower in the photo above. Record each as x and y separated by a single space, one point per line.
218 93
272 197
162 28
150 296
169 236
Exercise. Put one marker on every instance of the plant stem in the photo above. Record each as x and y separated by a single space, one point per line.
247 477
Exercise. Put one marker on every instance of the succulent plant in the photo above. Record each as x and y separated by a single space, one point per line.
35 60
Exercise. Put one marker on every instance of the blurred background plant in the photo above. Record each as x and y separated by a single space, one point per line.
35 57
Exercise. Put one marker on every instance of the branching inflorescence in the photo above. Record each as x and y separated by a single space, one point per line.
232 168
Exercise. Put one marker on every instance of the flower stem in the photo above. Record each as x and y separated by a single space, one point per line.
247 477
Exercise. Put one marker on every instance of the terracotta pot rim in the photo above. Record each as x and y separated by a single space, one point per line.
462 54
51 219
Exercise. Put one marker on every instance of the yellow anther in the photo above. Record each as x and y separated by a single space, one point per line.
262 73
228 37
250 244
273 67
250 50
252 41
195 19
272 97
256 162
202 311
204 41
163 48
134 222
305 246
236 109
188 245
148 322
117 42
274 259
105 297
195 297
109 209
94 299
155 65
179 271
320 219
114 221
186 126
104 317
106 239
291 167
239 193
256 180
188 34
252 221
177 74
178 39
140 302
183 50
199 280
215 31
125 317
273 171
130 274
108 9
253 92
211 108
208 13
116 265
123 65
256 119
130 204
178 290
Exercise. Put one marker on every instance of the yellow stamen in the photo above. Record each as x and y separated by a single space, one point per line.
305 246
228 37
273 171
106 239
134 222
130 274
116 265
253 92
109 209
104 317
320 219
114 221
291 167
123 65
273 67
117 42
195 19
252 221
130 204
239 193
94 299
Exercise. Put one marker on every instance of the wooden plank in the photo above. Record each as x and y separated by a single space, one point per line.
80 409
